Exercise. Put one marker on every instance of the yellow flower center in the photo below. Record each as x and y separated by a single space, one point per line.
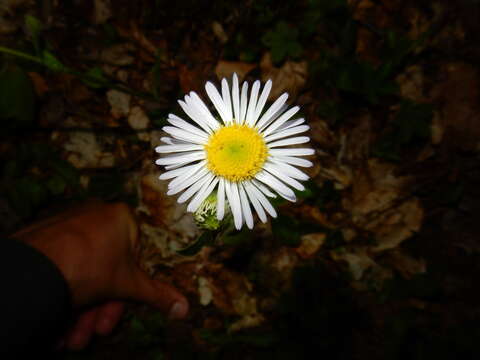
236 152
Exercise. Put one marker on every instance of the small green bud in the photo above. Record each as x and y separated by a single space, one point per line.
206 215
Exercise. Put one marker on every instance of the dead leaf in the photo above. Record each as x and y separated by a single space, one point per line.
120 103
291 77
411 83
407 265
119 55
310 244
138 120
375 189
459 115
225 69
397 225
219 32
358 261
39 83
102 11
163 210
84 150
204 291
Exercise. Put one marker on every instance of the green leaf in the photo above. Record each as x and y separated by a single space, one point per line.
95 78
17 98
25 195
206 239
235 237
34 27
51 62
282 42
287 230
56 185
65 170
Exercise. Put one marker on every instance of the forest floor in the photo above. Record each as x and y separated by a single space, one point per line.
379 258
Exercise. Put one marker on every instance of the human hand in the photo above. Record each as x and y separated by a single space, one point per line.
94 248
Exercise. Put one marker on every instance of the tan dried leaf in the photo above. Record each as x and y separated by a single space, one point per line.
397 225
225 69
138 120
119 102
407 265
358 262
310 244
291 77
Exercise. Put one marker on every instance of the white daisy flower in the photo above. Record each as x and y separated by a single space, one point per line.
244 158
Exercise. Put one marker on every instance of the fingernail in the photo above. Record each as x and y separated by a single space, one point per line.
177 311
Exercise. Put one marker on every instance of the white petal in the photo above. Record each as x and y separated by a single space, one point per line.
200 105
290 141
264 189
221 199
294 161
292 152
234 201
236 98
164 149
290 123
264 201
202 194
183 158
247 212
274 117
183 182
184 125
171 141
255 202
217 101
281 120
291 171
283 190
178 172
243 103
283 177
252 105
190 109
285 133
261 102
184 135
227 100
272 110
194 188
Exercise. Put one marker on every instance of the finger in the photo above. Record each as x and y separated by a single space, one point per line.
160 295
82 331
108 317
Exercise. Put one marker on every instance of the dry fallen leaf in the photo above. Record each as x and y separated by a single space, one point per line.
459 114
358 261
397 225
405 264
102 11
225 69
310 244
120 103
163 210
411 83
84 150
291 77
119 55
138 120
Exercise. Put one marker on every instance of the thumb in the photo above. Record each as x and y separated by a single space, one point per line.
160 295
